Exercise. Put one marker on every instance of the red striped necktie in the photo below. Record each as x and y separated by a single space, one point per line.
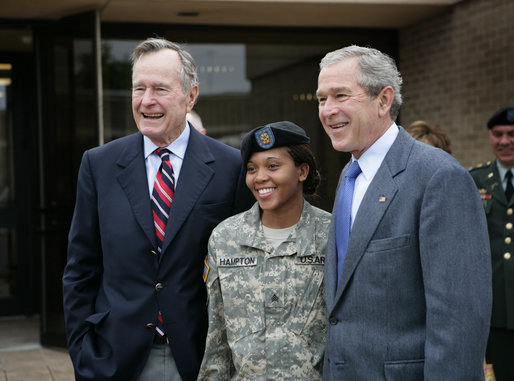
162 197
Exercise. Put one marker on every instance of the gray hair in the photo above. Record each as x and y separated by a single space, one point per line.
188 73
376 71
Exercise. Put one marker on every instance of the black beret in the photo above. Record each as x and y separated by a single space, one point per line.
272 135
502 117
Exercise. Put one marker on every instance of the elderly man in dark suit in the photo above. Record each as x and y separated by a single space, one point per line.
408 290
134 298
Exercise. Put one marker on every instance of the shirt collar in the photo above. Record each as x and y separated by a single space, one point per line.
502 170
371 160
178 146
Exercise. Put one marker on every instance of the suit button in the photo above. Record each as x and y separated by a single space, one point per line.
159 287
506 256
510 211
508 226
508 240
154 252
150 325
333 321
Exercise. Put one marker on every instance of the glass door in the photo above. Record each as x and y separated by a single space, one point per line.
9 281
19 254
68 81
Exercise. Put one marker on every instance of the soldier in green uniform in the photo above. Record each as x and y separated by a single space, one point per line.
494 182
264 269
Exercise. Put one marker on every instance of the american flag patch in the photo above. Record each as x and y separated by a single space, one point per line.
205 270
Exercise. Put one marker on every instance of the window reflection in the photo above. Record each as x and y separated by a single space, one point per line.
221 68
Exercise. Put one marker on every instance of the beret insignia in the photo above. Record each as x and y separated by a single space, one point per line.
510 115
264 137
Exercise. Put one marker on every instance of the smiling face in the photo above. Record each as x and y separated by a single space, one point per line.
351 118
277 184
159 104
502 142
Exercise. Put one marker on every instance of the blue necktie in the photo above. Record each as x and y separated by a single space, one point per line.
344 214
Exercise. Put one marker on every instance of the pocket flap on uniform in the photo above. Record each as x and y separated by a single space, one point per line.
309 296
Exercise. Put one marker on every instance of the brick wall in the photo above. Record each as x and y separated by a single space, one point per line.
458 68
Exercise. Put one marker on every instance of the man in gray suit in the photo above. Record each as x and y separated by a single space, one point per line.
412 297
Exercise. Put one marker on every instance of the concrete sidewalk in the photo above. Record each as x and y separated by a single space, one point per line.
23 359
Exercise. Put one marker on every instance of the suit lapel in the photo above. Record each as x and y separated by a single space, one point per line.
195 175
331 255
132 178
375 203
377 199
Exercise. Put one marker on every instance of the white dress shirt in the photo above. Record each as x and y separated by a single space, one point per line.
178 150
369 162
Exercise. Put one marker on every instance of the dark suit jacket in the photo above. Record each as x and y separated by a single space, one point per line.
414 298
111 300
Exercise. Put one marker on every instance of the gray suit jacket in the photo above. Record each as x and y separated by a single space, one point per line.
414 298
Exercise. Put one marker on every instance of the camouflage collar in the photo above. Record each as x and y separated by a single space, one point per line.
305 233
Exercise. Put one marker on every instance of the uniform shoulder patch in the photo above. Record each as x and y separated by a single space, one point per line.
206 269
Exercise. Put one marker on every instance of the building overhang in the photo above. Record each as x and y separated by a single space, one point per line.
287 13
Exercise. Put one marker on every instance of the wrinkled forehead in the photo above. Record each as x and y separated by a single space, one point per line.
344 73
160 60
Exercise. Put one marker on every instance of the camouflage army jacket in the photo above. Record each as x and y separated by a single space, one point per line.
267 313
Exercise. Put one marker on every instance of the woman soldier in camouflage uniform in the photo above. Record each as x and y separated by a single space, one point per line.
264 270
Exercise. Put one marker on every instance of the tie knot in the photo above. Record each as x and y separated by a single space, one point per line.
508 175
163 153
354 170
